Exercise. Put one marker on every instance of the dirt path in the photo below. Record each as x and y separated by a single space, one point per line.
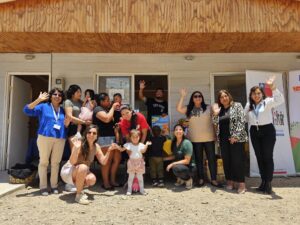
168 205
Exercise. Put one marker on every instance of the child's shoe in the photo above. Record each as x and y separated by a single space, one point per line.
161 183
154 183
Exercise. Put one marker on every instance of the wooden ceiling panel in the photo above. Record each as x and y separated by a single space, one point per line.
149 43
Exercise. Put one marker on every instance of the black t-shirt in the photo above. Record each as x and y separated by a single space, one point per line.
105 129
155 108
224 118
117 116
156 149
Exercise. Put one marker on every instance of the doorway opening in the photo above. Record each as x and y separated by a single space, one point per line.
22 130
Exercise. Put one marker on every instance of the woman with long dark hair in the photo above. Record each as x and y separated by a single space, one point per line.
262 130
229 118
77 169
51 135
182 150
103 117
200 133
133 120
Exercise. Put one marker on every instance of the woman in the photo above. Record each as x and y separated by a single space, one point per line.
201 133
77 169
229 119
51 135
103 118
132 120
262 131
182 150
72 106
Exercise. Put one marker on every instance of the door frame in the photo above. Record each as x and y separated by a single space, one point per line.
212 81
132 75
6 111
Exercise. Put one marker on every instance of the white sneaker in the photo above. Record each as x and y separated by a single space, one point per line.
70 188
179 182
44 192
128 193
81 199
189 184
84 195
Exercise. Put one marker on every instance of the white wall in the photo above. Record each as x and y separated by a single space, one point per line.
16 63
81 69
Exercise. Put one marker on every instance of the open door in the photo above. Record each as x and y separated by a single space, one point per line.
20 94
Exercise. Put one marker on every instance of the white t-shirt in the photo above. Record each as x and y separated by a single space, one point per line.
135 150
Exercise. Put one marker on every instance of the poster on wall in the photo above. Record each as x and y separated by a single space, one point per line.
294 96
283 157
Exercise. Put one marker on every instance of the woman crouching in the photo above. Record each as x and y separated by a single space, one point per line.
77 170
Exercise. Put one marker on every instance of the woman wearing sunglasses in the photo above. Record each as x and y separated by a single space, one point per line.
77 170
51 135
200 132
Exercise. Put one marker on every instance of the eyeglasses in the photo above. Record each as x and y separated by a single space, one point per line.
90 132
197 96
56 94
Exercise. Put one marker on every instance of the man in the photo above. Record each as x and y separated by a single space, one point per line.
155 106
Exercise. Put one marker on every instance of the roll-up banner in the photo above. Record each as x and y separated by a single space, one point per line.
283 157
294 109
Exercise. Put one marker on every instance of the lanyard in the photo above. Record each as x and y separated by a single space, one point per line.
56 116
256 109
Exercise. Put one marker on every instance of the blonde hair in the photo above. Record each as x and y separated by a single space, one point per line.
135 132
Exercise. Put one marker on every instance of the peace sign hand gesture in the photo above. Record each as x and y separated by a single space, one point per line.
183 92
270 82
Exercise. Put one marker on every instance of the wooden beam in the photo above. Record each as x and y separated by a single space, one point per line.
149 43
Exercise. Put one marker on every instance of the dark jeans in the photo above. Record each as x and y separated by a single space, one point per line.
182 171
233 156
209 148
156 167
263 140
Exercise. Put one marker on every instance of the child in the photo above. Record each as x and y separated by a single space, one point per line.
135 164
87 108
156 162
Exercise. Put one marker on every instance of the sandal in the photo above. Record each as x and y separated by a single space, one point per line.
107 188
216 185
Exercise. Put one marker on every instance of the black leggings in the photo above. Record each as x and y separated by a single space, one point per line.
209 148
233 156
263 140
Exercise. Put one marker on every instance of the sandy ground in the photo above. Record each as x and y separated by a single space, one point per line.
169 205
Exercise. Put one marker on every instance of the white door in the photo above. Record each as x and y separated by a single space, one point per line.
20 93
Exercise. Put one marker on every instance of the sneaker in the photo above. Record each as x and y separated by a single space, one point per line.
70 188
189 184
161 183
81 199
128 193
179 182
154 183
84 195
44 192
55 191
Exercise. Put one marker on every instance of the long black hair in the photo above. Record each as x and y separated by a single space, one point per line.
174 140
133 120
252 90
191 104
60 91
85 145
72 89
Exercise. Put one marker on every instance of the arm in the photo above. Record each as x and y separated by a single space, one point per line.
141 91
168 158
180 107
146 147
239 120
185 161
69 113
102 159
34 109
75 150
107 117
276 100
246 111
144 135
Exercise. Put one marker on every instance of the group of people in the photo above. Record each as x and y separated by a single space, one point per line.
97 127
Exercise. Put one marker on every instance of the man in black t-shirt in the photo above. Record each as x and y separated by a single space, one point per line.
155 106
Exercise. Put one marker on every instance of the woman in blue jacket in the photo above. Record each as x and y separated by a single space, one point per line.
51 135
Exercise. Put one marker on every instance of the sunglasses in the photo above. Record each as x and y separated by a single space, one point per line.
56 94
94 133
197 96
